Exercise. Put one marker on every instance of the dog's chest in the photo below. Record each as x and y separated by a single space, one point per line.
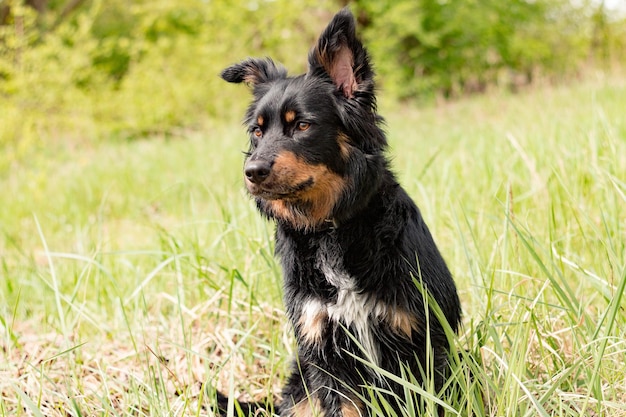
351 308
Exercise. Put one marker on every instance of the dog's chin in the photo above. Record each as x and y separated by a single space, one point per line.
270 194
280 192
258 192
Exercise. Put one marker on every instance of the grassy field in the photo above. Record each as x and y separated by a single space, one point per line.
135 274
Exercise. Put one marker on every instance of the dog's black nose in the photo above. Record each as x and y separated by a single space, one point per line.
257 171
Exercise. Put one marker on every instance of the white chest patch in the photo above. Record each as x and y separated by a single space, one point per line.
351 309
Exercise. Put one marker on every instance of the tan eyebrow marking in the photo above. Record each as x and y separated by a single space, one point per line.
290 116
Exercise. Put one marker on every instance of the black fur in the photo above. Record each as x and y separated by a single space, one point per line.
355 251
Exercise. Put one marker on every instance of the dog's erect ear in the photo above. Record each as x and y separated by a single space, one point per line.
341 55
254 71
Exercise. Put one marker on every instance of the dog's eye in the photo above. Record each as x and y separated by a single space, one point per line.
257 132
302 126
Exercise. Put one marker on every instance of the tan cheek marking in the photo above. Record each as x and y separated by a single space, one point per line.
290 170
290 116
322 197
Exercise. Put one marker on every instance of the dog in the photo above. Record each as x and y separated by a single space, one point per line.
363 278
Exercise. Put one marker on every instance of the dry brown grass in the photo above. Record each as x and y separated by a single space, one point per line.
149 371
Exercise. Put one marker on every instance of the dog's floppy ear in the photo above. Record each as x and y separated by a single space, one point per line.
254 71
341 55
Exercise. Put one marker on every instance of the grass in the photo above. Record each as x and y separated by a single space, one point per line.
137 274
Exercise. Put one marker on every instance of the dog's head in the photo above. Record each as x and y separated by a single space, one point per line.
314 138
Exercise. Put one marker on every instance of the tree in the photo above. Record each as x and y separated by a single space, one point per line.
457 46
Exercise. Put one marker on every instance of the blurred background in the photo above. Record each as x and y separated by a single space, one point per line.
93 69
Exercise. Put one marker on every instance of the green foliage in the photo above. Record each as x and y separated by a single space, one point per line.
134 69
457 46
107 69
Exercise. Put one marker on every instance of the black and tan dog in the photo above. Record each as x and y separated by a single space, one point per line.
355 251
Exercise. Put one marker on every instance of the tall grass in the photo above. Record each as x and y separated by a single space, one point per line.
136 276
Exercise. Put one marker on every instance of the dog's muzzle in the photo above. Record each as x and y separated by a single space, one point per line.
257 171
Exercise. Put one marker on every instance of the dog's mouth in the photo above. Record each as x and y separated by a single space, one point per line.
278 191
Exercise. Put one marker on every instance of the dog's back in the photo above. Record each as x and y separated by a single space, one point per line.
361 270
